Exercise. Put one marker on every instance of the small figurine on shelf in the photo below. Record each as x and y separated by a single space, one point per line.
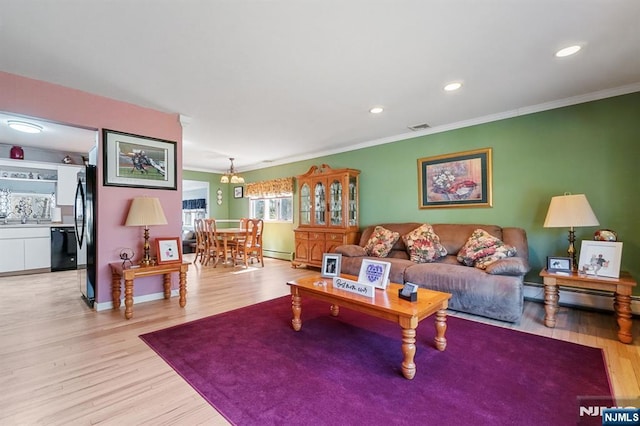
16 153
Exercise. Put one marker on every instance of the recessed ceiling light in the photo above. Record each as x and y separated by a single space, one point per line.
452 86
568 51
23 126
376 110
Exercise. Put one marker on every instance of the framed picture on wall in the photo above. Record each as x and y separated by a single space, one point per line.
238 192
462 179
138 161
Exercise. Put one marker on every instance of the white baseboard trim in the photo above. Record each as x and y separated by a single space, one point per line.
136 299
581 298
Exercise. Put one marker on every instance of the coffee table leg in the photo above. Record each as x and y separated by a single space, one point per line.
335 310
622 306
296 307
409 351
441 328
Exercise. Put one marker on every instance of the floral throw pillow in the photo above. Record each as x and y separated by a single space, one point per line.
423 245
482 249
381 242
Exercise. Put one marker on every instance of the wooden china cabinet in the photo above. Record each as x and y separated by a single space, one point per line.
327 213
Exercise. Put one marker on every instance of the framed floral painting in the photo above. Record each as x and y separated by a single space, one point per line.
461 179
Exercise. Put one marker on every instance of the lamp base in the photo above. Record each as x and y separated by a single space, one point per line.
572 250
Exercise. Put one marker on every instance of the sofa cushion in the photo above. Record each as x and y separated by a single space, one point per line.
482 249
424 245
351 250
509 266
381 242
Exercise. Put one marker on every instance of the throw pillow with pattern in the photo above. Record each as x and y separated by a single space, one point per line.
381 242
423 245
482 249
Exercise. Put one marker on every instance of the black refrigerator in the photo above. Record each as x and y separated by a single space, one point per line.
85 224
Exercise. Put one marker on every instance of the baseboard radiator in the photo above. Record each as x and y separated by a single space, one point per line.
275 254
580 298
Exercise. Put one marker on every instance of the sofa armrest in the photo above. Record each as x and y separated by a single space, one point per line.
351 250
508 266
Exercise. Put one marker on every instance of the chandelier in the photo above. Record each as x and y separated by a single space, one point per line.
231 176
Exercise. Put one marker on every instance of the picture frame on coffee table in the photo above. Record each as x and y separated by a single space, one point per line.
374 272
331 263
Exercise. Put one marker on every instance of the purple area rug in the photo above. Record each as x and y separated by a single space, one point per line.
255 370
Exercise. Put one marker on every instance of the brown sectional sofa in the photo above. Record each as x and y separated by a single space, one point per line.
496 292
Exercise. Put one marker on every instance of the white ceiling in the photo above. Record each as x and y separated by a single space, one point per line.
273 81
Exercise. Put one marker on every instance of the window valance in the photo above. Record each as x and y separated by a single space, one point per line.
282 187
198 203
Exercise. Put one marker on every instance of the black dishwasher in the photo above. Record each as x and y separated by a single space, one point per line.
64 249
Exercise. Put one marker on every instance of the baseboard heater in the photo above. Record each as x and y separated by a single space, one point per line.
282 255
580 298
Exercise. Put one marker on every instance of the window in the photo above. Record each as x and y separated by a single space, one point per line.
278 209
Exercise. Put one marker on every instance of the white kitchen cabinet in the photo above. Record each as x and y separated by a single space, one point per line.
66 186
25 248
12 258
37 252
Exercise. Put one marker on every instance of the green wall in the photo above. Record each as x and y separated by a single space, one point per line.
590 148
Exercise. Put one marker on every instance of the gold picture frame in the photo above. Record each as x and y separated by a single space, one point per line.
461 179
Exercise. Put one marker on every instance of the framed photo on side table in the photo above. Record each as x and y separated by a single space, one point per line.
374 272
138 161
600 258
558 264
331 263
168 250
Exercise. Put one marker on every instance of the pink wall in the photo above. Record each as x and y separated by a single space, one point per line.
39 99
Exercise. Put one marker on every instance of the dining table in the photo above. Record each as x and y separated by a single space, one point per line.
228 234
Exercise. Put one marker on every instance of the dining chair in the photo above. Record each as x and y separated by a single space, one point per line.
215 248
201 240
251 248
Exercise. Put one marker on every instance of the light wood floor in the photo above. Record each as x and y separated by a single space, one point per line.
63 364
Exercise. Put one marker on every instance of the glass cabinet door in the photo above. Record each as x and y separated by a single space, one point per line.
320 204
305 205
335 203
353 201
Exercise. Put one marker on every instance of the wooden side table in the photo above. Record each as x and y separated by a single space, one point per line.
620 286
130 274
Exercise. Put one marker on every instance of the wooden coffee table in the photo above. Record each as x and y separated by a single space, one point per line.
386 305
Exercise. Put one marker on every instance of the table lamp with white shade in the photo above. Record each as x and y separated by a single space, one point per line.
569 211
145 211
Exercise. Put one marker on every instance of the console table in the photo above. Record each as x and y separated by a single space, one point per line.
620 286
118 272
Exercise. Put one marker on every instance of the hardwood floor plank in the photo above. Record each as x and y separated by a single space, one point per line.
68 365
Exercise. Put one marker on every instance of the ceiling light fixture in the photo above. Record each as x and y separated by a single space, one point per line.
231 176
23 126
452 86
376 110
568 51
